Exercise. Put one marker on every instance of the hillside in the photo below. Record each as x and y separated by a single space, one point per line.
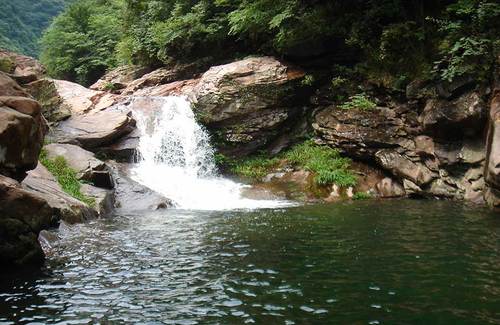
23 21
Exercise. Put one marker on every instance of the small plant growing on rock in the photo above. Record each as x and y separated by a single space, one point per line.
308 80
255 167
6 65
361 196
65 176
359 101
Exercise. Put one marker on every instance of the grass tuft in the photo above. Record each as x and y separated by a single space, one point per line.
65 176
324 162
359 101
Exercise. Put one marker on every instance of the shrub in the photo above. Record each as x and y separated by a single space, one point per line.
65 176
361 196
359 101
326 163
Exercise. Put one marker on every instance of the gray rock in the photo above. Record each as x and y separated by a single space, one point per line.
84 162
388 188
402 167
41 182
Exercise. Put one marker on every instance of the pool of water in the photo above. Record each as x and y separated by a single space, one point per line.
369 262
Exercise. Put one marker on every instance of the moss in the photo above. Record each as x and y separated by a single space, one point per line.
7 65
65 176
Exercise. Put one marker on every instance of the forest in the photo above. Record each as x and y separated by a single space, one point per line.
23 21
393 41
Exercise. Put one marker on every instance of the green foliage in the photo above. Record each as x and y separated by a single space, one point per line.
6 65
326 163
65 176
359 101
80 44
470 39
255 167
361 196
308 80
394 41
22 23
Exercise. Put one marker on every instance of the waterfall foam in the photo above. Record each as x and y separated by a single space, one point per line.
176 159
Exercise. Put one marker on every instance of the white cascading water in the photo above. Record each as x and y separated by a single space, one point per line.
177 160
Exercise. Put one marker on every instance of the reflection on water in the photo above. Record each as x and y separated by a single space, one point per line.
353 263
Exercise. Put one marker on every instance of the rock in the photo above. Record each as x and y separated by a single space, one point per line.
25 69
8 87
54 108
164 76
453 119
402 167
22 130
492 168
104 199
65 207
119 78
247 101
86 165
132 196
388 188
22 216
424 145
95 129
359 133
77 98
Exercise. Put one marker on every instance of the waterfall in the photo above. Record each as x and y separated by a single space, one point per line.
176 159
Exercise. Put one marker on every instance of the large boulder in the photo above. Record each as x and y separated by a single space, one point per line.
117 79
492 168
23 69
361 133
87 166
54 107
247 102
23 215
94 129
41 182
22 130
465 115
9 87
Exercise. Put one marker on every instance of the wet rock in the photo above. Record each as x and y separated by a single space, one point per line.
388 188
22 130
132 196
22 216
41 182
104 199
247 102
86 165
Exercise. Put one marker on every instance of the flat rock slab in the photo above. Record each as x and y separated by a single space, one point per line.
41 182
94 129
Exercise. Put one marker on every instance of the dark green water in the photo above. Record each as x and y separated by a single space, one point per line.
391 262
